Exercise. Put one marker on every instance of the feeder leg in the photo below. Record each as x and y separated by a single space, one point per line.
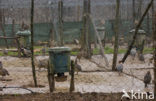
19 49
72 85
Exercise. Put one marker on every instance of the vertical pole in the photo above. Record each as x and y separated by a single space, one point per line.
13 27
154 53
86 38
32 43
140 9
51 77
116 46
148 24
18 47
78 13
72 84
134 15
60 14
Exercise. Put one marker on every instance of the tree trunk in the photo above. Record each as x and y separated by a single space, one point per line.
153 16
78 13
134 15
136 31
154 53
139 9
32 43
60 11
116 35
86 42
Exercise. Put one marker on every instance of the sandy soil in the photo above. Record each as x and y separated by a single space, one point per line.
101 82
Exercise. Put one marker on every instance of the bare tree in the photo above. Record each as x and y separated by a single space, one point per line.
32 43
116 45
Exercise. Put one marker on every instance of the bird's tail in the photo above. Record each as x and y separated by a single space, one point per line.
7 73
145 85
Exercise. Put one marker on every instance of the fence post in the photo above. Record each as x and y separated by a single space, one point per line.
72 84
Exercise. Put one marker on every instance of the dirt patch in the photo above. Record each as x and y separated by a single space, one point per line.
67 97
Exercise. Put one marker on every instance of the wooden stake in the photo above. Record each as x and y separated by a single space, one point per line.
51 78
72 84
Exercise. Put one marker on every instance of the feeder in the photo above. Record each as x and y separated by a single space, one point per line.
60 61
139 39
25 38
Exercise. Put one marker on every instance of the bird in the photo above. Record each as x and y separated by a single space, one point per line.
5 52
77 67
1 65
3 71
147 78
76 42
26 52
119 67
151 60
44 50
141 57
133 53
41 63
79 56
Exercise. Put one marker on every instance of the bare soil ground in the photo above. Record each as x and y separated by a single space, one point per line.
92 79
67 97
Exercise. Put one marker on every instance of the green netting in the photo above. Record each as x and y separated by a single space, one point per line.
71 31
126 26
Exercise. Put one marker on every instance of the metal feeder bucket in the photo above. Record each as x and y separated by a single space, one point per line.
60 60
25 38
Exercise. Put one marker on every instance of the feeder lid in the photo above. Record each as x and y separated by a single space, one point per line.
139 31
24 33
59 49
101 28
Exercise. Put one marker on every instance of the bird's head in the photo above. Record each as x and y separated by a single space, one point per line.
120 61
148 72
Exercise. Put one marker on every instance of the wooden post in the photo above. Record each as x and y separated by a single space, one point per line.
148 24
78 13
13 27
154 53
60 14
32 43
134 15
72 84
51 78
18 47
104 40
86 37
140 9
136 31
116 45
